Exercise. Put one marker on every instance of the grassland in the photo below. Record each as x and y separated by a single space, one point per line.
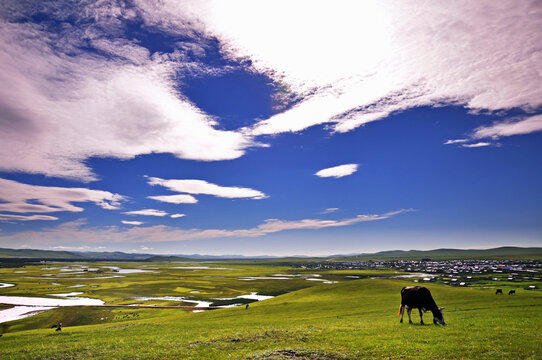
349 319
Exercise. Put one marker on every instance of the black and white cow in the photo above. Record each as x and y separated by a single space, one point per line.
419 297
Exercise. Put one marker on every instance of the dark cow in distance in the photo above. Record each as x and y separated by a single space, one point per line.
499 291
512 292
419 297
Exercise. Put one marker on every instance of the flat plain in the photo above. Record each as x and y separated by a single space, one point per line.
313 314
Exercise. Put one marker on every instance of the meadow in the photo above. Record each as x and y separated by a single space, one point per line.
314 314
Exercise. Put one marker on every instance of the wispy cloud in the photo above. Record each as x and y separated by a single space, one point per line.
175 199
510 127
456 141
66 232
329 210
484 55
338 171
176 216
24 198
147 212
476 145
122 99
78 248
131 222
7 217
206 188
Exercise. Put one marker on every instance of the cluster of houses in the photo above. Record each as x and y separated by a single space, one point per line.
451 272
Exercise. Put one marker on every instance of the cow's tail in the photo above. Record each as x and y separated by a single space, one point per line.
400 310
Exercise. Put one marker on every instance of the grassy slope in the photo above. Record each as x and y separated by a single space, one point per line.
507 252
355 319
30 253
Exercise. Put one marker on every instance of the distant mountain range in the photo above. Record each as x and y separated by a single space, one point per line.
509 252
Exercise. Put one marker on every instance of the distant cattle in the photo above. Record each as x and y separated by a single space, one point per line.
499 291
419 297
512 292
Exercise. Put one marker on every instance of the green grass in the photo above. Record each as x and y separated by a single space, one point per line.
505 252
353 319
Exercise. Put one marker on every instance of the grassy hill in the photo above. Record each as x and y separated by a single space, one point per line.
349 320
37 254
507 252
68 255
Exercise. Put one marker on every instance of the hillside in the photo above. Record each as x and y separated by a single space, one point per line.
507 252
37 254
349 320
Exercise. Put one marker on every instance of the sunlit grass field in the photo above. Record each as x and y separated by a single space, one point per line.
350 319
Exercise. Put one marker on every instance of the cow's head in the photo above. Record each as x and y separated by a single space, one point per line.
438 318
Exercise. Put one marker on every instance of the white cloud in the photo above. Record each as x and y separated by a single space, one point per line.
175 216
147 212
338 171
329 210
24 198
131 222
192 186
510 127
476 145
65 233
175 199
78 248
60 105
375 57
7 217
456 141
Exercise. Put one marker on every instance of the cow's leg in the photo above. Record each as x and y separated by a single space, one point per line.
409 310
402 313
421 316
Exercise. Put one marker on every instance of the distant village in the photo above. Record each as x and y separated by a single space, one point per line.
451 272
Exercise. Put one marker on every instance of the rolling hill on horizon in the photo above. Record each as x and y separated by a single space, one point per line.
511 252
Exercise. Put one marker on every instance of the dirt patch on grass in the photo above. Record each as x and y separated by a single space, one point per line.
299 354
267 336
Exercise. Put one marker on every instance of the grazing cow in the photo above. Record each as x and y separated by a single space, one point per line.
499 291
419 297
512 292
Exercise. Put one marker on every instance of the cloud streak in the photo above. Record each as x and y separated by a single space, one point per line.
24 198
338 171
8 217
175 199
136 223
476 145
511 127
66 232
147 212
203 187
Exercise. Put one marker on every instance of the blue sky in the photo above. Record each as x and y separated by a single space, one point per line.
181 128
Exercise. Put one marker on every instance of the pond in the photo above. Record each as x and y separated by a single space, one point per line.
28 306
